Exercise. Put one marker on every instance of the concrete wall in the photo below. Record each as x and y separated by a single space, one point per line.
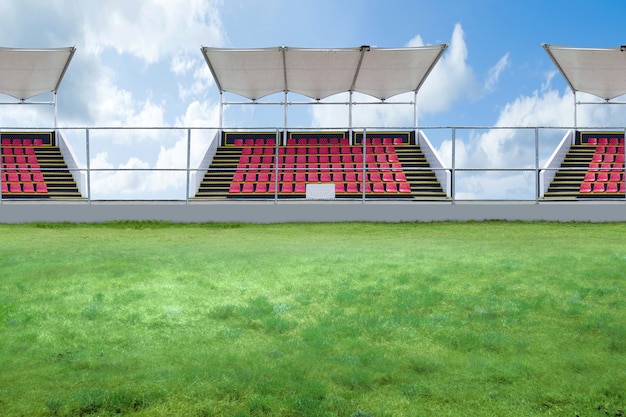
308 211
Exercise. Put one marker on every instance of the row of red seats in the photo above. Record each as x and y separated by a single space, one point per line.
321 150
605 141
317 141
24 188
20 150
300 188
607 157
603 177
315 159
313 177
21 142
22 177
336 166
19 159
601 187
605 166
615 150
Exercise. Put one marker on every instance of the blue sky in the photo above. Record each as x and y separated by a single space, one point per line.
138 63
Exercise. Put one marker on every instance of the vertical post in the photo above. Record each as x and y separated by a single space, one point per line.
575 114
221 113
364 167
350 117
537 179
276 166
1 153
188 165
453 176
286 104
88 165
415 110
54 101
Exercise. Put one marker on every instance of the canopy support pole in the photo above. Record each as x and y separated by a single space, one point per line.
415 117
221 122
575 111
350 117
54 101
286 117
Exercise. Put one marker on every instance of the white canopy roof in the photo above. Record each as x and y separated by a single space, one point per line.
25 73
597 71
320 73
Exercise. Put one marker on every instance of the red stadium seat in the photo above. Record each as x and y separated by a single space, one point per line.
405 187
614 141
238 142
585 187
5 188
28 187
592 141
15 188
367 187
621 187
391 187
248 187
611 187
41 188
615 177
38 142
388 177
340 188
300 188
352 187
598 187
261 188
379 187
325 177
602 177
603 141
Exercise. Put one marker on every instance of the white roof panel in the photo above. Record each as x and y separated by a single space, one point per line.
597 71
320 73
25 73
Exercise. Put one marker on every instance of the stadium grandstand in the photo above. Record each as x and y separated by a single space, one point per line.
317 174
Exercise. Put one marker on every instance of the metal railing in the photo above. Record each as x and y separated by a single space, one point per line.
472 163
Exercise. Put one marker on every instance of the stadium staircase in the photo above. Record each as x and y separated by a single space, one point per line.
245 168
32 169
592 169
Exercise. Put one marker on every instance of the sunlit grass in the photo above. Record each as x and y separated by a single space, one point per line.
350 319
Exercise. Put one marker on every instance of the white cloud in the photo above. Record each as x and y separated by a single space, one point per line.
495 72
150 29
451 79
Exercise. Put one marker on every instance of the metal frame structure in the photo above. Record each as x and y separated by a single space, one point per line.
378 72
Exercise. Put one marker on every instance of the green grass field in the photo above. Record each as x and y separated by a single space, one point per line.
348 319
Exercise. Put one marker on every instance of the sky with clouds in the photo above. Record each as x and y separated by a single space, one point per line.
138 63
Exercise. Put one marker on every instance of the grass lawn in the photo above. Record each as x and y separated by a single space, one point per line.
348 319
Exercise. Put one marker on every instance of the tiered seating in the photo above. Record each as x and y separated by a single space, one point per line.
21 172
605 174
321 160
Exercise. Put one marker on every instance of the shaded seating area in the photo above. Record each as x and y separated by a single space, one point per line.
21 174
316 160
605 173
264 166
